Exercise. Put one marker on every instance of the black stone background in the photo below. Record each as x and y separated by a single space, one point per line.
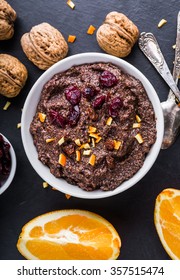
130 212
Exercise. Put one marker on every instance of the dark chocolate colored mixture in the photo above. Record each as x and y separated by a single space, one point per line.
92 114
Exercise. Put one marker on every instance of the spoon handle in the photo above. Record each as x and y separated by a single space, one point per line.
176 69
149 46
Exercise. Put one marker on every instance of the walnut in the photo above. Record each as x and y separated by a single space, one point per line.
117 35
7 18
13 75
44 45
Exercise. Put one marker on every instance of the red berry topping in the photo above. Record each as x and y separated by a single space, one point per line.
114 107
57 118
73 95
89 93
107 79
99 101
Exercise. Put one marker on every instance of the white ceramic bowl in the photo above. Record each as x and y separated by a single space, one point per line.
9 179
30 109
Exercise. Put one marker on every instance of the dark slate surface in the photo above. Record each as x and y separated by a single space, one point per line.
130 212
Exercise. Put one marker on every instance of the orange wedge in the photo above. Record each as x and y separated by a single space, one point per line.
69 235
167 221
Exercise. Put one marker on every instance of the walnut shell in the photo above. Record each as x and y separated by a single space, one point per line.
7 18
117 35
44 45
13 75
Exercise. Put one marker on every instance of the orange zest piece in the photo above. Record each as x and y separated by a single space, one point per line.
42 117
92 129
109 121
93 142
69 235
62 159
85 146
71 4
50 140
167 221
45 185
78 142
162 22
78 155
68 196
138 119
136 125
61 141
94 135
98 139
91 30
92 160
6 106
117 144
86 152
139 138
71 38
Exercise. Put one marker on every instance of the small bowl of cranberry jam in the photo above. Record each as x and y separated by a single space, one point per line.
7 163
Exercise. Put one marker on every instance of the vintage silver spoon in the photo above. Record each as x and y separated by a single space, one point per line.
174 129
148 44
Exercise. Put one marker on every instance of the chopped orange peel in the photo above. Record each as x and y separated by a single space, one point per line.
61 141
62 159
84 146
71 4
78 142
94 135
71 38
91 30
6 106
109 121
162 22
92 129
50 140
138 119
139 138
78 155
19 125
45 185
68 196
98 139
86 152
136 125
42 117
92 160
93 142
117 144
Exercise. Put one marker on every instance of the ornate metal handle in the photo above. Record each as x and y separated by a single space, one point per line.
149 46
176 68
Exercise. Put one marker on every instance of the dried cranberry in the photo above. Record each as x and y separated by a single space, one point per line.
89 93
99 101
73 95
114 107
57 118
107 79
5 159
74 114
